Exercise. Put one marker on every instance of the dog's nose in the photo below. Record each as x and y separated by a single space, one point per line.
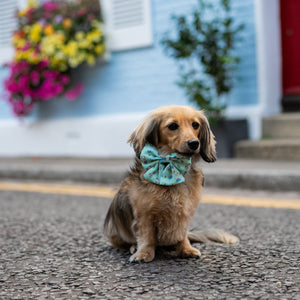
193 144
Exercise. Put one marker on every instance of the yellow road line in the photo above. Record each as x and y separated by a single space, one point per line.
108 192
59 189
251 201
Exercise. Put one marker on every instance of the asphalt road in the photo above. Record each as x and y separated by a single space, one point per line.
52 247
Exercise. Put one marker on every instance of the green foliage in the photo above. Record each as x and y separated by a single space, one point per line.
203 47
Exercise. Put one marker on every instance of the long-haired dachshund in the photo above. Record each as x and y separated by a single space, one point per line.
156 201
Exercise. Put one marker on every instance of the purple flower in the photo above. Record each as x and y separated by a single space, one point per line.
58 19
42 22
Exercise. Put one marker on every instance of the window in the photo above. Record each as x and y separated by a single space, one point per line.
8 24
128 23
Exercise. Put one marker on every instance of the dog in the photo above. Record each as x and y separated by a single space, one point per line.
156 201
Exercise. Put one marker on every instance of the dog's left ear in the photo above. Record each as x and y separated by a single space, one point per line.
146 132
207 141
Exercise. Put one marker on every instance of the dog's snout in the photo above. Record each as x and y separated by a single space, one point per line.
193 144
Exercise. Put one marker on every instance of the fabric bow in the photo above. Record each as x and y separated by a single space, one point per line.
164 170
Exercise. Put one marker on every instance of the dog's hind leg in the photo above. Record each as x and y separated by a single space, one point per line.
118 222
118 243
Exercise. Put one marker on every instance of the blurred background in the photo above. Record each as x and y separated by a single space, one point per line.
78 76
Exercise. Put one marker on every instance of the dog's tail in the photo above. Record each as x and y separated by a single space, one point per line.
212 235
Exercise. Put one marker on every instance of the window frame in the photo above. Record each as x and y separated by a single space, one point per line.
7 52
122 39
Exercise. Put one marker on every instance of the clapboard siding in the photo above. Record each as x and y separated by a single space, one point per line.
142 79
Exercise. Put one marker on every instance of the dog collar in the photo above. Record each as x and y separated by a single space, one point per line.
164 170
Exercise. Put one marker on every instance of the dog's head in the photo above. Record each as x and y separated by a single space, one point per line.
180 129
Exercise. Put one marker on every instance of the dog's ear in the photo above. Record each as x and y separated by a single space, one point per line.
207 141
147 132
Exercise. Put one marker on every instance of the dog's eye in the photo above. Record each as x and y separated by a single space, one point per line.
195 125
173 126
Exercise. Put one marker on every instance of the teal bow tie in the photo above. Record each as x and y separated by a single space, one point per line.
164 170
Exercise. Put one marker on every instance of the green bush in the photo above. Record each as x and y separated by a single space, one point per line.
204 49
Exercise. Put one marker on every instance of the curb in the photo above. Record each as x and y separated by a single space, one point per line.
92 176
254 181
251 179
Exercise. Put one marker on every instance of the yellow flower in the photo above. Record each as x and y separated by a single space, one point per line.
85 44
18 55
20 43
91 59
15 38
71 48
74 62
90 37
99 49
27 28
62 67
33 3
79 35
56 62
48 29
96 24
23 12
59 55
35 31
30 55
48 49
67 23
33 57
61 37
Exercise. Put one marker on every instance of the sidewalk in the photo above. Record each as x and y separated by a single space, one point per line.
248 174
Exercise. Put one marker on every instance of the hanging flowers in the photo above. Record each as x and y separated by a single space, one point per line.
52 39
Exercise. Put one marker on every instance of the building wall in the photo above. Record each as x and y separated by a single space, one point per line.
139 80
143 79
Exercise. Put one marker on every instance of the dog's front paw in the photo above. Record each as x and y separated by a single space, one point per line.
143 255
190 252
132 249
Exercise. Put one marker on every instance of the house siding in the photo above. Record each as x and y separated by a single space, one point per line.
140 80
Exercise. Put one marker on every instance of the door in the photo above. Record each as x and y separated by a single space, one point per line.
290 38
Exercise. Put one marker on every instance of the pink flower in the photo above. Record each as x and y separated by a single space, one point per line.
11 86
49 74
20 108
35 77
65 79
41 65
75 92
26 47
49 5
24 82
82 11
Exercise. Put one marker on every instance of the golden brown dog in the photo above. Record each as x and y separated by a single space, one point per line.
144 214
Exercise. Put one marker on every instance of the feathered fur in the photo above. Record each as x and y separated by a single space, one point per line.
144 215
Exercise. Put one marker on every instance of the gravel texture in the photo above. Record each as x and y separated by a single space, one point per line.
52 247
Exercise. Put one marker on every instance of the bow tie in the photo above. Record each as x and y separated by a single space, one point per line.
164 170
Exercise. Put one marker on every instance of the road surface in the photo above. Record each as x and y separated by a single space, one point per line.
52 247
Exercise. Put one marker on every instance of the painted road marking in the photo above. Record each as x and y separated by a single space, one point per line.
107 192
77 190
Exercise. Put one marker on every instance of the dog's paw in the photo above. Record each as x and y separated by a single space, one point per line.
132 249
146 255
190 252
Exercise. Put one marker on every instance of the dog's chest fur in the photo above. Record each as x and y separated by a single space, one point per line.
168 210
